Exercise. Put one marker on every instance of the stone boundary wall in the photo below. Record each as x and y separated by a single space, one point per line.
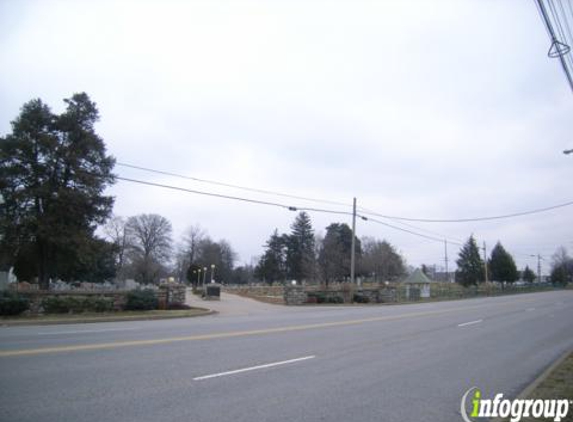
375 292
166 294
36 298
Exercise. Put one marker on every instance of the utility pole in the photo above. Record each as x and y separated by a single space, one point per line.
485 261
446 259
353 252
538 256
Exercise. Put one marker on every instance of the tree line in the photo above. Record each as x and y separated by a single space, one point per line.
501 266
54 170
144 250
301 255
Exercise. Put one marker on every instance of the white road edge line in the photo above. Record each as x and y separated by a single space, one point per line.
103 330
253 368
470 323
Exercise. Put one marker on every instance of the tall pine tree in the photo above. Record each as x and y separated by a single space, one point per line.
300 258
502 265
271 266
470 265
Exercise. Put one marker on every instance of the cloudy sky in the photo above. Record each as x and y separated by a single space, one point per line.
423 109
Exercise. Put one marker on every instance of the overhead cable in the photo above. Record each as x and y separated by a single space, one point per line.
229 185
473 219
275 204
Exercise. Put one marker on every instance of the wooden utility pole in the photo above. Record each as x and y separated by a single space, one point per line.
446 259
485 261
352 251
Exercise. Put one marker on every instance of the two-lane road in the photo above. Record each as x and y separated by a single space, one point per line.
370 363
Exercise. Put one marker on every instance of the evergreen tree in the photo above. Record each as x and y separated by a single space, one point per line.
272 265
470 265
53 172
300 256
502 266
528 275
334 256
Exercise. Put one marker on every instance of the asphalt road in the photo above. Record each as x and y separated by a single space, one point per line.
370 363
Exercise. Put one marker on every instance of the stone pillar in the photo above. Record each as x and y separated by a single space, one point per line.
170 293
348 292
294 295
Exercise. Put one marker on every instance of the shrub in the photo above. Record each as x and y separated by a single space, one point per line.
319 296
141 300
12 304
335 299
74 304
361 298
98 304
58 305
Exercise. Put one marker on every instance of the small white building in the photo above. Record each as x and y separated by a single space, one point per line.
417 283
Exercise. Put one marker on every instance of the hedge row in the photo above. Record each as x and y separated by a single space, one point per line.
12 304
137 300
76 305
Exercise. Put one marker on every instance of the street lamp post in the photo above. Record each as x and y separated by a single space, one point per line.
198 275
204 274
212 273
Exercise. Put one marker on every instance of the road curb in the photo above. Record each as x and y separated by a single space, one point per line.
28 323
526 392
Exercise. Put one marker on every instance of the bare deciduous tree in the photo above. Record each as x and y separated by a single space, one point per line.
381 260
191 241
115 231
150 245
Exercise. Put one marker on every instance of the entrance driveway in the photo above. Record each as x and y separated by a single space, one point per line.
231 304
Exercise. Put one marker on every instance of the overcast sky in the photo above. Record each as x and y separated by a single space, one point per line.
424 109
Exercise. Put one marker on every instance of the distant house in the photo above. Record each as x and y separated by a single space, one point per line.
417 285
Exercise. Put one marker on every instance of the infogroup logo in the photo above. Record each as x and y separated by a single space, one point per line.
498 407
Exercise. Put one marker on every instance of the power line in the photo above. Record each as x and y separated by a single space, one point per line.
453 240
558 49
473 219
363 210
435 239
560 30
234 198
567 26
289 207
229 185
216 195
275 204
